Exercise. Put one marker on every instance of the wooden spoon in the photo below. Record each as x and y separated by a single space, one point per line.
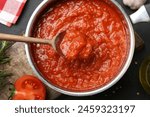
16 38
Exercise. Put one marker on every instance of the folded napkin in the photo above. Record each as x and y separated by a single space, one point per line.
10 11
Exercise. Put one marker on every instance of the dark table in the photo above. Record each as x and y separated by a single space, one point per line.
129 87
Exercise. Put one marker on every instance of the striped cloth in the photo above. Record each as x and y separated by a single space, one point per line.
10 11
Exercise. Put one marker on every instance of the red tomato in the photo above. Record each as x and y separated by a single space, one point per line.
29 88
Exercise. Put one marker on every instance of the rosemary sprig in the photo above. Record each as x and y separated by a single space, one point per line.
4 45
3 80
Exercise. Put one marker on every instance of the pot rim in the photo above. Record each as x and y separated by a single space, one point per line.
86 93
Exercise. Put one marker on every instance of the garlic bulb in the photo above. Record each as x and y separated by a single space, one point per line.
134 4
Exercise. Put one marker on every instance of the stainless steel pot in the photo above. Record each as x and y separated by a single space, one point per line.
29 29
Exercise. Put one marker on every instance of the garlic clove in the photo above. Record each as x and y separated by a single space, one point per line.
134 4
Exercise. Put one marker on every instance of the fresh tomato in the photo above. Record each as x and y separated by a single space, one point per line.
29 88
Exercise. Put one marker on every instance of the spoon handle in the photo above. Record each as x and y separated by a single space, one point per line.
16 38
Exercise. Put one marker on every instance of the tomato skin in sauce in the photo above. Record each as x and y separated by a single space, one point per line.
98 53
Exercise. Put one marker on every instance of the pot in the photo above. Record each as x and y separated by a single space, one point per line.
42 7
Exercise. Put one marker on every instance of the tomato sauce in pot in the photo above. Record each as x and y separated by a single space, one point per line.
95 45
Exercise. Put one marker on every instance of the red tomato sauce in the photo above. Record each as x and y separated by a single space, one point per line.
95 42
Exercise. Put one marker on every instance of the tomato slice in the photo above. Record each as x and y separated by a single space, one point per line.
29 87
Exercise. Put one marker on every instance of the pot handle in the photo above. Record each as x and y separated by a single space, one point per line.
141 15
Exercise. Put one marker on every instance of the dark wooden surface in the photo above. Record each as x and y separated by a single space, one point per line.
129 86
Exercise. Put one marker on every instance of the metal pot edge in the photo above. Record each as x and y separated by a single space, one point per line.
88 93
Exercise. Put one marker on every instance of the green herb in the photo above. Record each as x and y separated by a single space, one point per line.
3 80
12 91
4 45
